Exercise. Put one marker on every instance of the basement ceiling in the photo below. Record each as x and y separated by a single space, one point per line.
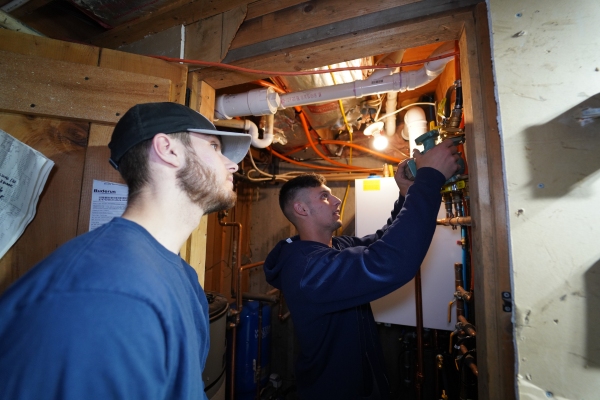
251 33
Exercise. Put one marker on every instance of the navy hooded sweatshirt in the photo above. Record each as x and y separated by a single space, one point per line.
328 291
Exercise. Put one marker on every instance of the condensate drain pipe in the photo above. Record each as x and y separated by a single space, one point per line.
252 129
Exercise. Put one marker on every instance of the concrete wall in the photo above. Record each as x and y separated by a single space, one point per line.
546 58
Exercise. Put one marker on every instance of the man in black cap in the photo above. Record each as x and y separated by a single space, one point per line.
116 313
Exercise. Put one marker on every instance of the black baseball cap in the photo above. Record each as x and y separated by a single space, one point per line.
143 121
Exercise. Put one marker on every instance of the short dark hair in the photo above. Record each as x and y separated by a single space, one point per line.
134 167
289 189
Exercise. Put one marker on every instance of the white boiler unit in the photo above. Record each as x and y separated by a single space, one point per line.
374 202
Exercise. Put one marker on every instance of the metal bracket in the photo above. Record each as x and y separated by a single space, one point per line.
507 302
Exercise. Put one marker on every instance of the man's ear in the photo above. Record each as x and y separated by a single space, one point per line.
168 149
300 208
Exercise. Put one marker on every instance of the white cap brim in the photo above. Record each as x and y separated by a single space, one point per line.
234 145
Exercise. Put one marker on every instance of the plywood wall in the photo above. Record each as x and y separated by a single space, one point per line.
63 100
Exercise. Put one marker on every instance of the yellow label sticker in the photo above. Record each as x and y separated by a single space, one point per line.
371 184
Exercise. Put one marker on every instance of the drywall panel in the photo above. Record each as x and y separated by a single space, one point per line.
547 72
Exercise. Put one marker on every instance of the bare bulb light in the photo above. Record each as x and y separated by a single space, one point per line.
380 142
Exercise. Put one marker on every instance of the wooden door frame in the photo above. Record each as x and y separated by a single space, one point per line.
490 255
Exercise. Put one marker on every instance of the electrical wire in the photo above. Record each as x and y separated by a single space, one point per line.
289 175
296 73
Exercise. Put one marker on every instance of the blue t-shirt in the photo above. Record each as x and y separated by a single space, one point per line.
111 314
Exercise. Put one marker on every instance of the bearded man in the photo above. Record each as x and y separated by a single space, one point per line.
116 313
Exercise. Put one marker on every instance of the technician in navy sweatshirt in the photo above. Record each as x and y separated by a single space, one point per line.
328 282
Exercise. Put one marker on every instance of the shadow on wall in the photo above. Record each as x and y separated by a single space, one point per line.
592 293
564 151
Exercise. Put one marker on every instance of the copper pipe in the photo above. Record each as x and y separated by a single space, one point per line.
463 294
419 307
450 310
239 280
469 360
238 258
458 274
456 221
237 296
450 343
466 326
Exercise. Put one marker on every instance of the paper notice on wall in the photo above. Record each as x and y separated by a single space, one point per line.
109 200
23 174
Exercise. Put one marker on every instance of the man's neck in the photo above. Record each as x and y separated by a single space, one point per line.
170 222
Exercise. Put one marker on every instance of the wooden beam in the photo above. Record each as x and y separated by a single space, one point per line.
309 15
263 7
202 36
138 64
282 38
39 46
317 54
32 85
180 12
495 347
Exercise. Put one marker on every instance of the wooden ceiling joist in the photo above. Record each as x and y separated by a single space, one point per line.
180 12
378 40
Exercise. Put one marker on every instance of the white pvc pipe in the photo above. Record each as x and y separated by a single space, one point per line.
415 124
390 106
252 130
261 102
399 82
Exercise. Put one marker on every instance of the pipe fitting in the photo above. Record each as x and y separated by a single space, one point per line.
261 101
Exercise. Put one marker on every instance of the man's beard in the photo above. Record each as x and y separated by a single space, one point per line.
200 184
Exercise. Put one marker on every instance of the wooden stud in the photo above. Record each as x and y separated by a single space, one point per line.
495 347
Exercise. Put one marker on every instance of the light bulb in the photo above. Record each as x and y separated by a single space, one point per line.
380 142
